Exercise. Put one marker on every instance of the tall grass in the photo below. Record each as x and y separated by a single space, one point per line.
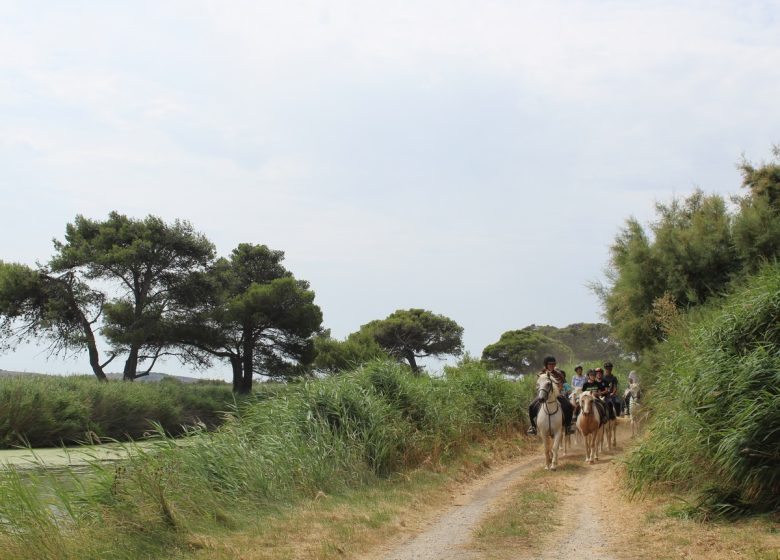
47 411
716 430
317 437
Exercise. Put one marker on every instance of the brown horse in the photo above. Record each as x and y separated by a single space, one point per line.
589 424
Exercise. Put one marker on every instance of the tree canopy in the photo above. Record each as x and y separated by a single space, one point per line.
144 260
409 334
693 251
250 310
61 308
521 351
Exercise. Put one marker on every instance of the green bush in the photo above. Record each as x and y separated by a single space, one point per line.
47 411
716 429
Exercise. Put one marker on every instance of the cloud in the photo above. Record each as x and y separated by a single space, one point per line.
435 154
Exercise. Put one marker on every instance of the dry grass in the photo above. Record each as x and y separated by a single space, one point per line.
652 529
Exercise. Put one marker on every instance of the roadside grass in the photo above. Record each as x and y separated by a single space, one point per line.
715 430
308 444
657 528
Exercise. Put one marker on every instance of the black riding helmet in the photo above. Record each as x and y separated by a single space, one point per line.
549 360
607 365
592 372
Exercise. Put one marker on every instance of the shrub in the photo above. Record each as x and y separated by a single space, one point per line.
719 433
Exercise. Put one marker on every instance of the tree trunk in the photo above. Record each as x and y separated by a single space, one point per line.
413 363
131 364
94 359
86 327
235 363
248 364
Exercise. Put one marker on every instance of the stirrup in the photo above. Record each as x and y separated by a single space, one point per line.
570 429
531 431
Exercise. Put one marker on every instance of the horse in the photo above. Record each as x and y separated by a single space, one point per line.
549 421
610 426
635 408
589 424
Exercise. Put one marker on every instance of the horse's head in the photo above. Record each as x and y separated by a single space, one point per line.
635 391
586 402
546 389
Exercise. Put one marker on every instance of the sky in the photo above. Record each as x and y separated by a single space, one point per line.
472 158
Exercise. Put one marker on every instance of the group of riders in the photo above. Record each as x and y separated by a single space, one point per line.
600 381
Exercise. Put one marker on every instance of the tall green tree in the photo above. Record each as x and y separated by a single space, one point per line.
36 303
687 257
410 334
145 260
248 309
522 351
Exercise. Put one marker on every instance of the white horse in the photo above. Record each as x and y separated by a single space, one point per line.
589 424
635 408
549 421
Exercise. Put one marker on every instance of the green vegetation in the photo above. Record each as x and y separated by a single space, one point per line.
522 351
405 335
693 251
718 433
174 299
314 438
249 310
697 298
44 411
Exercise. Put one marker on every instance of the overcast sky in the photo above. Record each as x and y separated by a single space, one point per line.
473 158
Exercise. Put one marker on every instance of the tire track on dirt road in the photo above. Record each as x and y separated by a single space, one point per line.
584 513
445 538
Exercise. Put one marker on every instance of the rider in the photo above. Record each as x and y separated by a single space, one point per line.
559 378
578 379
593 385
633 379
611 383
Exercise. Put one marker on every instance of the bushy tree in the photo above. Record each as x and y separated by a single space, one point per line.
36 303
145 260
248 309
409 334
585 341
522 351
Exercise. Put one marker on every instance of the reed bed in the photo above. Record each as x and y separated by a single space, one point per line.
314 438
716 427
46 411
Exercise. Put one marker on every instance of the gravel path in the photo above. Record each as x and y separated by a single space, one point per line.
581 535
444 539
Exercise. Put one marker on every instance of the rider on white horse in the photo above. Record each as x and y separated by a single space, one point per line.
559 378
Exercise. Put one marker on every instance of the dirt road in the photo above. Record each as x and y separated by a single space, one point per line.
583 515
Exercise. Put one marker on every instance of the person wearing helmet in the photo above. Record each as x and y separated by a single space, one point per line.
596 387
611 384
559 378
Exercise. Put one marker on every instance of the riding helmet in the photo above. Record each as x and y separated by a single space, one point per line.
607 365
549 360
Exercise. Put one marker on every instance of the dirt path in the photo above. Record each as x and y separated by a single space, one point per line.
448 535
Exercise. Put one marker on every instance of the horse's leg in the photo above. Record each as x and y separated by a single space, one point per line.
587 448
557 435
